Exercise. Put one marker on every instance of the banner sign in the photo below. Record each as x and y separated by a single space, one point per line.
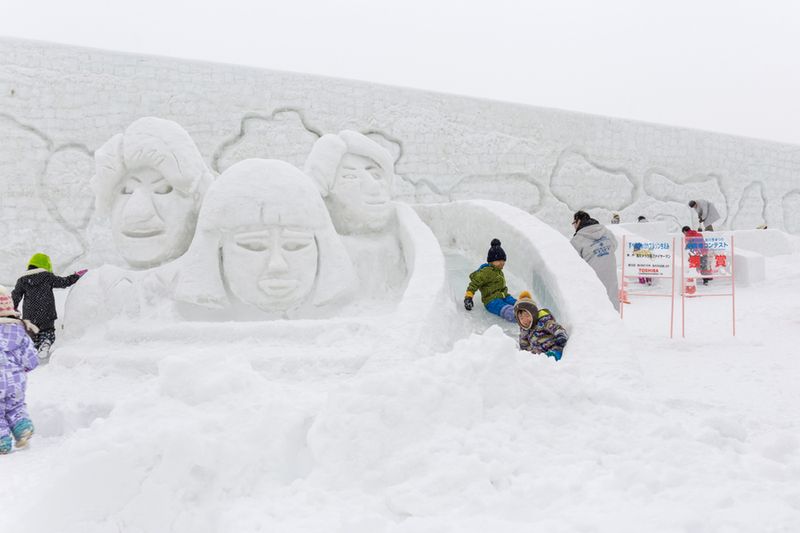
709 256
650 259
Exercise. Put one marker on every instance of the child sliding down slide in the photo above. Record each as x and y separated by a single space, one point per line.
538 330
491 282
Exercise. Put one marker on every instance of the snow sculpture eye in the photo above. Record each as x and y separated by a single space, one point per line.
162 187
254 241
295 245
253 246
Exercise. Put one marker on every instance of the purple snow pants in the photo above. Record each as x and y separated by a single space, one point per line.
17 356
12 401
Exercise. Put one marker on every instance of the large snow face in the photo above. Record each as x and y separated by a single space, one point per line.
273 267
150 180
355 175
265 239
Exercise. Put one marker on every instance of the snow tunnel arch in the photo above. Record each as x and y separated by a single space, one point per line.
538 254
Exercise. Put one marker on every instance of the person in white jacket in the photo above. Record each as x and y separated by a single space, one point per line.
597 247
707 214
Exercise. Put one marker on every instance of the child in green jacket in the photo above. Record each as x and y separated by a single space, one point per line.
489 279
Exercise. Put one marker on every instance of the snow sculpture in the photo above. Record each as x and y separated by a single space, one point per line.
264 240
354 175
150 180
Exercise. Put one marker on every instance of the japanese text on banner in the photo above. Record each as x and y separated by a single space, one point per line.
652 259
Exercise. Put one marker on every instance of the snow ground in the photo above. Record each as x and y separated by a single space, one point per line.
231 431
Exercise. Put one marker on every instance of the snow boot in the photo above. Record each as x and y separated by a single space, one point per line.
44 352
555 353
23 431
5 444
507 312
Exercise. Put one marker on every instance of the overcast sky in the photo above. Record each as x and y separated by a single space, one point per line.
729 66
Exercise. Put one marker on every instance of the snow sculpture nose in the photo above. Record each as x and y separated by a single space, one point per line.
370 185
139 209
277 263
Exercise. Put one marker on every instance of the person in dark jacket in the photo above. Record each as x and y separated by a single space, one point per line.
35 290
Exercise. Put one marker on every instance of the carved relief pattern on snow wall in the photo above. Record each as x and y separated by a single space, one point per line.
443 148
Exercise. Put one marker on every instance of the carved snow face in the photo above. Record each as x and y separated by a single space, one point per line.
151 221
359 201
270 268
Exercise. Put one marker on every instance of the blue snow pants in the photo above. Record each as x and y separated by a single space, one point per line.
503 307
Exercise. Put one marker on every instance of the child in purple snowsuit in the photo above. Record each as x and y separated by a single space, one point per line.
538 330
17 357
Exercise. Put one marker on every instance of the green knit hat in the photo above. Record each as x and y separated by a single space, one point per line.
41 261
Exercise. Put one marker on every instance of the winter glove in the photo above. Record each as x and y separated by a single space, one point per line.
468 305
82 272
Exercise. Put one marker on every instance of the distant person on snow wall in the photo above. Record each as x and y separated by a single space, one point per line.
35 290
17 357
707 214
489 279
538 330
597 247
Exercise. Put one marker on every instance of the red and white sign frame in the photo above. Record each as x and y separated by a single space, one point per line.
658 263
713 243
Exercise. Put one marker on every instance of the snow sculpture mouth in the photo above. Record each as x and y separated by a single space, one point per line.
142 233
278 288
378 202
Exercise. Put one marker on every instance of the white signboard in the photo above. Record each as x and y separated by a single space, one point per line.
651 259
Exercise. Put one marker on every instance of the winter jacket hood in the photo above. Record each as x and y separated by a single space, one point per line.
592 231
586 222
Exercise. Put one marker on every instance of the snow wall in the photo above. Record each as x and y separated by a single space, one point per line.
59 104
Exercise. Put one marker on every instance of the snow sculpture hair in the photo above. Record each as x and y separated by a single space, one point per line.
355 176
265 237
150 180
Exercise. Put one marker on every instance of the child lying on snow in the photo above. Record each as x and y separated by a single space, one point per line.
17 356
538 330
489 279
